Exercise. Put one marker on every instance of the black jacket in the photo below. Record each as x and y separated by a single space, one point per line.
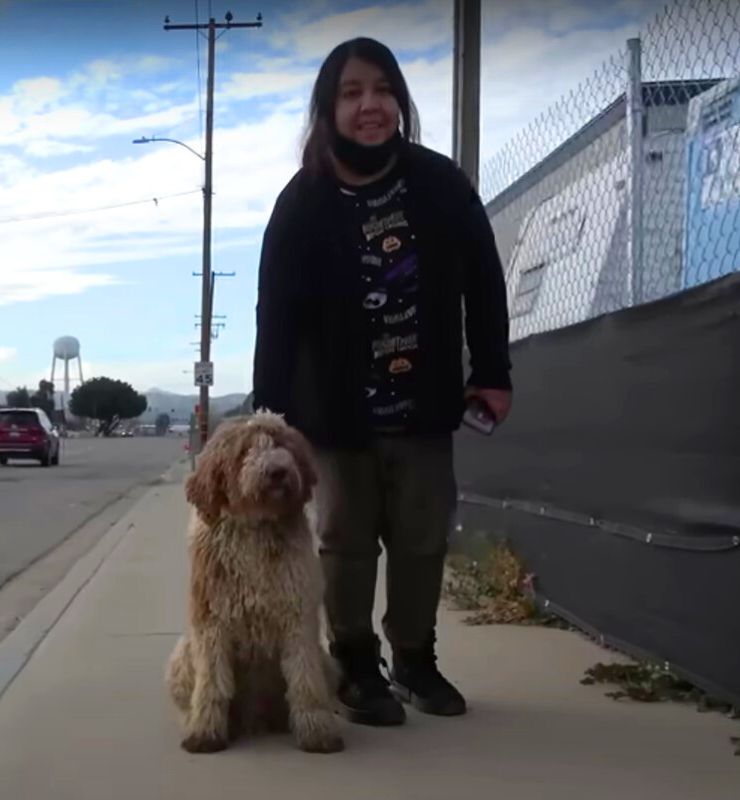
310 349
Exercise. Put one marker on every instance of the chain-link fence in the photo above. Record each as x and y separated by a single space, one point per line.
627 189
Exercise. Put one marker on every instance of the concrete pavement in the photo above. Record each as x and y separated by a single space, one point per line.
87 716
40 507
49 518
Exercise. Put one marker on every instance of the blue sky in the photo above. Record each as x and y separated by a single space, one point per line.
79 80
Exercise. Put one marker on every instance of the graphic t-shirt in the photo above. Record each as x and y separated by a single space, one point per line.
389 269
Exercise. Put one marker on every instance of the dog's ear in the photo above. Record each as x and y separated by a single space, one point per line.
206 487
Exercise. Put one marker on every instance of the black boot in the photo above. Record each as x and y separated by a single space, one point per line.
363 692
415 679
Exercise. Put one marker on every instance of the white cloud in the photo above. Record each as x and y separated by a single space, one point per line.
7 353
98 74
151 64
27 286
251 164
430 84
77 123
9 119
35 94
45 148
12 169
245 85
404 27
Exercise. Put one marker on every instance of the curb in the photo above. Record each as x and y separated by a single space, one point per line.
17 648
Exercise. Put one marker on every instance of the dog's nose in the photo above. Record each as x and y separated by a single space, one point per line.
278 474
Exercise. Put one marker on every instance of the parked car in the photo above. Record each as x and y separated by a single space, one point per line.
27 433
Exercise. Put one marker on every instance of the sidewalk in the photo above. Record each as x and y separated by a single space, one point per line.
87 718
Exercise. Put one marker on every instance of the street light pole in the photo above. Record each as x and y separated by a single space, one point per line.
207 283
147 139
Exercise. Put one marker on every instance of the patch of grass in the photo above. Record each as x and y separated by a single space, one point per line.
497 589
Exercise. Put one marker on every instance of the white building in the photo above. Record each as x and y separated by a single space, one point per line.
563 227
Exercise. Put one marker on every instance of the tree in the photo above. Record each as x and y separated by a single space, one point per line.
43 398
20 398
108 401
162 424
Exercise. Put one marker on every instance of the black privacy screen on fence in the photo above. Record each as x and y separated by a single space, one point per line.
617 478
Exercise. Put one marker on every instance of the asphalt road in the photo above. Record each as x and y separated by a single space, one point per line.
41 507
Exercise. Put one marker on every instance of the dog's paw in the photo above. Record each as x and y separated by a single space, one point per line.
203 743
317 732
332 744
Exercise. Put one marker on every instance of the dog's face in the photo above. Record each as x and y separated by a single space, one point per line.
253 467
270 477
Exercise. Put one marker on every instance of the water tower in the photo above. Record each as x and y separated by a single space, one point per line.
66 349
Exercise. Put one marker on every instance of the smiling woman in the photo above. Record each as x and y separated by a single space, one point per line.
361 86
366 260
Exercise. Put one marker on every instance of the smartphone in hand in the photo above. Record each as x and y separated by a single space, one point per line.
479 417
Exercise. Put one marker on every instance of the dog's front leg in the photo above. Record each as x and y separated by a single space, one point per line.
312 719
207 726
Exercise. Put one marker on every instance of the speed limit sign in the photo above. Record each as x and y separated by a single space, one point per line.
203 373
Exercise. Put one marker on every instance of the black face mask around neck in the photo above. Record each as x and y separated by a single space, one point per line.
364 159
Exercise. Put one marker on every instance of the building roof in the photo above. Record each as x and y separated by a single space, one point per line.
654 94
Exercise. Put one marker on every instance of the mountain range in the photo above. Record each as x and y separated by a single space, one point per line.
178 406
181 406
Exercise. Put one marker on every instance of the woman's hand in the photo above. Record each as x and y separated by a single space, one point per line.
498 401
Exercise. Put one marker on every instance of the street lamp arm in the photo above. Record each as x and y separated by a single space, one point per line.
147 139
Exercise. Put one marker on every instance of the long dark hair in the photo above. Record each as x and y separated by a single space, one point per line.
324 97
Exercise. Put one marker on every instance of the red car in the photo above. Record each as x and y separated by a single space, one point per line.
28 433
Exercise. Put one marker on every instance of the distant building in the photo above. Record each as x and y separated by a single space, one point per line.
562 227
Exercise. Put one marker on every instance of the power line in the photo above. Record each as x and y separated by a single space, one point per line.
50 214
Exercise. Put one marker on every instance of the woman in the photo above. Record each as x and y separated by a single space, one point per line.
371 249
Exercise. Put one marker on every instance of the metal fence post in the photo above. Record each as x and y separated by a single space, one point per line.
635 120
466 87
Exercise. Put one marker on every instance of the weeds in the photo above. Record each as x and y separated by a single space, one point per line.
646 682
497 589
650 682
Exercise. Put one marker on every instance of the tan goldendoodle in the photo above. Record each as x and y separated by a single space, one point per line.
252 657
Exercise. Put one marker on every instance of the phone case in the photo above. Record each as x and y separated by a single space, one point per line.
478 417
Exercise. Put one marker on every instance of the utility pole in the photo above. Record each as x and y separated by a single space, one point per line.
207 282
214 275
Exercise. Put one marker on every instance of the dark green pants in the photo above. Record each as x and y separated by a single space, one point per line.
400 491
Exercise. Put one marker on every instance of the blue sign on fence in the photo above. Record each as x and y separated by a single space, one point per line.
712 233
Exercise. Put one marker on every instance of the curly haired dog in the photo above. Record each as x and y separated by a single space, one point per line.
252 657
